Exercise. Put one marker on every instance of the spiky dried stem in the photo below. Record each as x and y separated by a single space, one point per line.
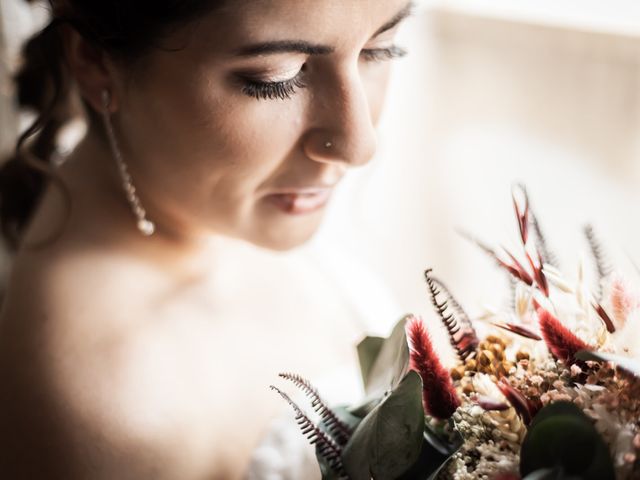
518 330
326 447
438 393
517 269
513 284
603 269
491 253
522 213
542 246
604 316
464 340
538 274
340 432
541 243
477 242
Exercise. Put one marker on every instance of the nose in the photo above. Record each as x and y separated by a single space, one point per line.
342 129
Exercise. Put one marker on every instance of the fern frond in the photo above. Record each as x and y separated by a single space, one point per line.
453 303
326 447
463 339
340 432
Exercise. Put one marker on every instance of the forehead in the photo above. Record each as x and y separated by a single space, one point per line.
335 22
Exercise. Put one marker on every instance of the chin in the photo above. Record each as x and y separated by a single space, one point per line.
283 238
284 244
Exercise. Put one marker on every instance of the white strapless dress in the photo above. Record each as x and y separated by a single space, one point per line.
284 453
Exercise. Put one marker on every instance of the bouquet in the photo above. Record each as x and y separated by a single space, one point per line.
549 390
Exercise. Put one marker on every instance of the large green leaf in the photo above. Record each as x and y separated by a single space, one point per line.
327 472
436 453
391 363
368 351
630 365
561 436
550 474
389 440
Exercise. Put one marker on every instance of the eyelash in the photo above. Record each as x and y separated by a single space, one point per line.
272 90
285 89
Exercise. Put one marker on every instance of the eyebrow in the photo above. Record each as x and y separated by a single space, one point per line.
307 48
395 21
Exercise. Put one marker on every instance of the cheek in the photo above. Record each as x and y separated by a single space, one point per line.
208 135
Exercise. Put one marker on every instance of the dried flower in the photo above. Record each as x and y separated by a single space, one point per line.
518 330
525 407
522 215
439 395
562 343
620 300
538 273
556 279
597 252
501 382
516 269
606 319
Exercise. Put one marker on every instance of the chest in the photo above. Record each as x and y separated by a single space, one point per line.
209 359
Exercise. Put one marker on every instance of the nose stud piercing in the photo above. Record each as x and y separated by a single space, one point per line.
328 145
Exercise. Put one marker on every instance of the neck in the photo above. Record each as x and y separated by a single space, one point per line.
101 217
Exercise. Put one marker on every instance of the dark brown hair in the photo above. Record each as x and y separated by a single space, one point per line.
125 29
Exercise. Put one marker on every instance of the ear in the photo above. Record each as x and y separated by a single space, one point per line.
91 67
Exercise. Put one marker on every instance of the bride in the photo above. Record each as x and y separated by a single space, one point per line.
151 300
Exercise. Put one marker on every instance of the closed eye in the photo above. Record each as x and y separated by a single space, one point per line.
282 90
382 54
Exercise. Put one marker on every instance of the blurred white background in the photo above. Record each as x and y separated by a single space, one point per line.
545 92
496 92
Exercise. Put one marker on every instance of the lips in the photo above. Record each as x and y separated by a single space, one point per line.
299 202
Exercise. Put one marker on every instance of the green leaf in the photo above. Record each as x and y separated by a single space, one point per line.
368 351
391 363
389 440
327 472
550 474
561 436
436 453
556 409
363 409
440 441
630 365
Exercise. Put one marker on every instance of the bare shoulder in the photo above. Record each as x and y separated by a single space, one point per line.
74 405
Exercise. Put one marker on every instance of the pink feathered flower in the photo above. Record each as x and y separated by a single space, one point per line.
438 393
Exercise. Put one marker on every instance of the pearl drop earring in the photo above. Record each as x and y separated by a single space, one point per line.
145 226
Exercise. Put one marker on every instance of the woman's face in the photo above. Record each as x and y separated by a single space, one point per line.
248 119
